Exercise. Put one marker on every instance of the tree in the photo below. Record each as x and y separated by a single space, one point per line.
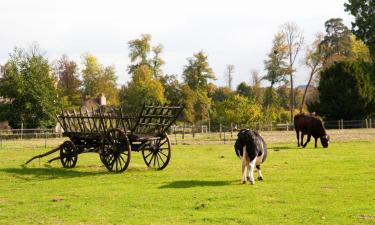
276 65
314 59
294 41
99 80
139 53
30 90
68 82
229 71
364 21
198 72
143 88
239 110
256 88
336 43
345 91
172 89
245 90
360 50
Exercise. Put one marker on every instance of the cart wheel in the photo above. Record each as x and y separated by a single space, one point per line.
158 153
116 150
68 154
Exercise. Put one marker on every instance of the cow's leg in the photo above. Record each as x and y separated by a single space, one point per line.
297 132
245 165
260 176
308 140
251 171
302 135
316 142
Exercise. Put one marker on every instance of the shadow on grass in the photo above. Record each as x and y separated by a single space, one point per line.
25 173
196 183
280 148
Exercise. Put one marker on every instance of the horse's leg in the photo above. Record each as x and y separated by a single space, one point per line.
308 140
245 164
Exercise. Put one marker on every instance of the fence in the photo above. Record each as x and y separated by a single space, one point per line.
200 134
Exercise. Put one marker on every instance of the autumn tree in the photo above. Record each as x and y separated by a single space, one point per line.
140 50
143 88
364 21
313 60
98 79
68 82
196 75
276 65
294 41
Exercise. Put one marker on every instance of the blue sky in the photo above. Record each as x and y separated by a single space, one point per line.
237 32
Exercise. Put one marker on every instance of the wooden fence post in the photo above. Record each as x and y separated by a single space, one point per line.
183 131
220 130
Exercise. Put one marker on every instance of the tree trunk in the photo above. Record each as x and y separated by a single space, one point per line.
291 98
305 92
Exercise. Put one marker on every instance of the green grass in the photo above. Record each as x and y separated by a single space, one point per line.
201 185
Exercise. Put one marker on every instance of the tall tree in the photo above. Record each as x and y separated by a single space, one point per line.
229 71
336 42
196 75
314 59
68 81
276 65
256 86
140 50
364 21
198 72
294 41
99 80
345 92
143 88
30 89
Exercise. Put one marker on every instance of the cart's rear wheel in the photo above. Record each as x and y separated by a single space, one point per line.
158 153
68 154
116 151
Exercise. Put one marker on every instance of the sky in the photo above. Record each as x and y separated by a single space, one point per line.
236 32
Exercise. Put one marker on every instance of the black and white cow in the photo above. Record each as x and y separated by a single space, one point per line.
251 149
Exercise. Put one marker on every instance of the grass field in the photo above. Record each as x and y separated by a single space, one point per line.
201 185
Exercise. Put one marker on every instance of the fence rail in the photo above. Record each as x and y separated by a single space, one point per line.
204 133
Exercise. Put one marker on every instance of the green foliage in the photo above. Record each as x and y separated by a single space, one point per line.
364 21
30 89
244 90
139 53
346 91
99 80
143 88
276 65
198 72
239 110
336 44
172 89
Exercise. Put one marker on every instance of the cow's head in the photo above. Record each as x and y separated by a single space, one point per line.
324 140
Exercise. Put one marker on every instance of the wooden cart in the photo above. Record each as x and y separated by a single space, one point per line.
114 136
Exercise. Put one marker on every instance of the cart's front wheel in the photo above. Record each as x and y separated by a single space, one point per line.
68 154
116 151
158 153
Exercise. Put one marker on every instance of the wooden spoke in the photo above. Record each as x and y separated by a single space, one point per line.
68 154
116 151
157 154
